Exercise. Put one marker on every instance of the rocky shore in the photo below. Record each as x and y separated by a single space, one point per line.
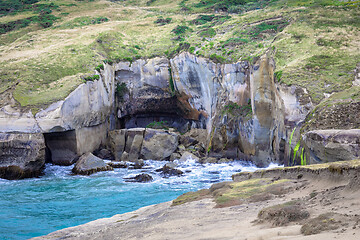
312 202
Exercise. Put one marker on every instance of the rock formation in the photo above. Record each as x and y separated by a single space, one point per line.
238 109
22 155
89 164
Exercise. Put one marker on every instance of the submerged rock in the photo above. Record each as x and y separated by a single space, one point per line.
21 156
140 178
89 164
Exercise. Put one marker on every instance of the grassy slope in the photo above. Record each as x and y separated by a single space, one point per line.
313 46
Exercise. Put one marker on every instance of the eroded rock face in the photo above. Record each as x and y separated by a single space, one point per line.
246 114
332 145
158 144
89 164
22 155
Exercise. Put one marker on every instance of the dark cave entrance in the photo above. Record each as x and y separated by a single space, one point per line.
61 147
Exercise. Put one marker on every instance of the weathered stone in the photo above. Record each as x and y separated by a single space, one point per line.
21 155
333 145
187 156
140 178
89 164
158 144
117 142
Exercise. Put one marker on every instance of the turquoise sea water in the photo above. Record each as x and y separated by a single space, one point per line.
38 206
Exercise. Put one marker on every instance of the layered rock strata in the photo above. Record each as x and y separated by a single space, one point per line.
22 155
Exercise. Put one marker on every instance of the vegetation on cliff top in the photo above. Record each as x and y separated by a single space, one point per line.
49 44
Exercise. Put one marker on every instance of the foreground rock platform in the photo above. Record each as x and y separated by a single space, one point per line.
298 209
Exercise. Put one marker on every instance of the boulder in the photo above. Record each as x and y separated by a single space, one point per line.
333 145
168 171
104 154
21 155
140 178
89 164
158 144
187 156
175 156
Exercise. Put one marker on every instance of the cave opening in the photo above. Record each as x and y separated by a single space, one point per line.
61 147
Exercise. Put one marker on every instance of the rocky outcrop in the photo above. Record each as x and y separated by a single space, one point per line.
89 164
332 145
22 155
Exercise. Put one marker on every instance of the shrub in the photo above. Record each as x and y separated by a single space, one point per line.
235 42
121 90
191 49
217 58
180 29
158 125
99 67
92 78
163 21
108 61
210 32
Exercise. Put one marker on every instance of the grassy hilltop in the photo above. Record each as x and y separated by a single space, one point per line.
48 46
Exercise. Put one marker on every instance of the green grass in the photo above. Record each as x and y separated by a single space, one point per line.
315 43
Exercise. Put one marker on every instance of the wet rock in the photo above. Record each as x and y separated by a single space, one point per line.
140 178
168 171
187 156
116 164
21 155
139 164
89 164
158 144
